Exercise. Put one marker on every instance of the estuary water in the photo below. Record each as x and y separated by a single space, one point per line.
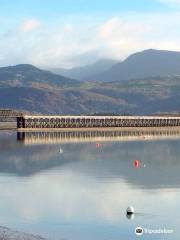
80 190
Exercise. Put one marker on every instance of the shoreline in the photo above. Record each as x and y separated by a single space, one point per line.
9 234
8 126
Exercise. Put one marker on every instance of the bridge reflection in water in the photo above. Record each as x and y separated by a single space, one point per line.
70 136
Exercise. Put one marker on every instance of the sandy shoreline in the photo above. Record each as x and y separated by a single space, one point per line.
8 234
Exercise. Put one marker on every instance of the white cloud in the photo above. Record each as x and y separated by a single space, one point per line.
29 25
125 36
170 1
82 41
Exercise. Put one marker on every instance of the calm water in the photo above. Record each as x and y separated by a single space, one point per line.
82 191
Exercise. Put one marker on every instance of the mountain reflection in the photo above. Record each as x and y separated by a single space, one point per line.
158 160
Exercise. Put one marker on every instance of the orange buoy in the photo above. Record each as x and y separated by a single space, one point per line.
136 164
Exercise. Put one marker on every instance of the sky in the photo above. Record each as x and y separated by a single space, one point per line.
70 33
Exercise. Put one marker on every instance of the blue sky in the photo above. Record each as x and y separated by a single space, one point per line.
66 33
49 8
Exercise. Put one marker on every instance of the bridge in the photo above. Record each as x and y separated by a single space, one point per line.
28 122
8 115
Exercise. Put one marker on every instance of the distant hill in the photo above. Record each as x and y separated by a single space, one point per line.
144 96
148 63
27 88
25 75
56 101
141 97
87 72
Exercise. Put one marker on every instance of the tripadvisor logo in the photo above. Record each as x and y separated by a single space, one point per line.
139 231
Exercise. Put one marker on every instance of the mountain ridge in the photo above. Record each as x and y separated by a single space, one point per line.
86 72
144 64
29 75
28 88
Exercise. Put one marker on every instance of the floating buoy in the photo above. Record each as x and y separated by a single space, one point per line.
98 145
130 210
136 163
130 216
60 150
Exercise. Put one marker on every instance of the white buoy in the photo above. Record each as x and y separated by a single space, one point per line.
60 150
130 210
130 216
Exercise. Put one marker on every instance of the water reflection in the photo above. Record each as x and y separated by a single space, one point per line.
130 216
115 160
142 134
83 191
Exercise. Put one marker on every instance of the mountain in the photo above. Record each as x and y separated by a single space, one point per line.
87 72
25 75
145 96
136 97
27 88
58 101
148 63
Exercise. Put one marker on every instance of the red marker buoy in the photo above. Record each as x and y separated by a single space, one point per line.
136 164
98 145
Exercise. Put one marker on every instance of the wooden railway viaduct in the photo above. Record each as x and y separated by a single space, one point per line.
58 122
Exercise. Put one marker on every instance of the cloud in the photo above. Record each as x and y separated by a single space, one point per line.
82 41
121 37
29 25
171 2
